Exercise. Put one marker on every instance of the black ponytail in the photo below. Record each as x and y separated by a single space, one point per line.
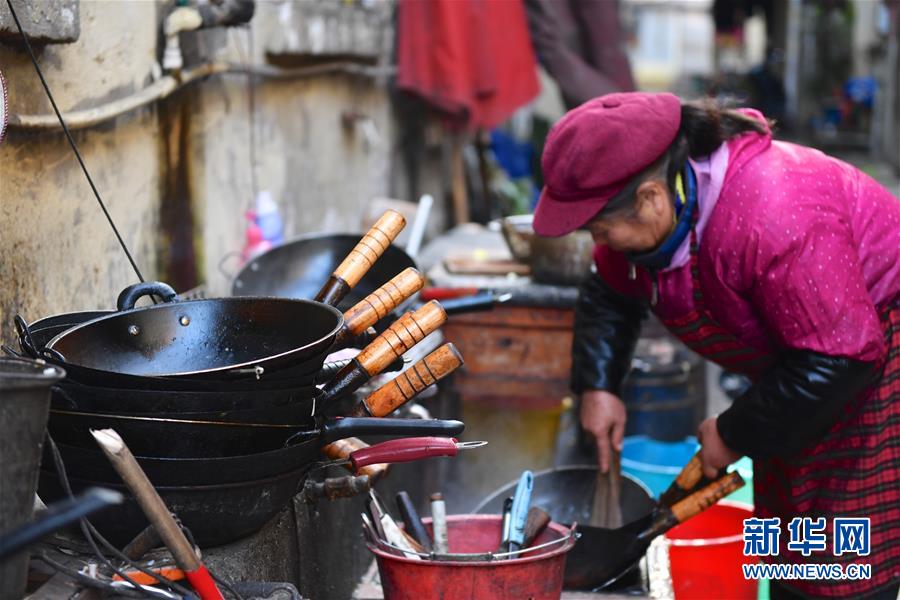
705 125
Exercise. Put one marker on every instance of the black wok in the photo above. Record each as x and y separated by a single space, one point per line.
73 396
297 268
223 338
567 494
217 339
215 514
33 337
294 408
201 439
90 463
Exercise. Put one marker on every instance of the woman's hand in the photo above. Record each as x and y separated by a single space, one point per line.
603 415
714 454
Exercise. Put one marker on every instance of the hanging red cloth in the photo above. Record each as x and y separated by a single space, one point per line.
469 58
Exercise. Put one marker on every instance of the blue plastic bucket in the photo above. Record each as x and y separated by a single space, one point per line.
661 393
656 464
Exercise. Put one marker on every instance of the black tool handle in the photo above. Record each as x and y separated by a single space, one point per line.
60 515
412 521
344 427
475 303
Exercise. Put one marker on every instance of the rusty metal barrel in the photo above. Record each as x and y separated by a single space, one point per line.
24 405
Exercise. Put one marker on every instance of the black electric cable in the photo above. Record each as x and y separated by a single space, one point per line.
37 68
75 574
91 535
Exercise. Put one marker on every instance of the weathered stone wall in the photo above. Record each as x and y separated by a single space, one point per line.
176 174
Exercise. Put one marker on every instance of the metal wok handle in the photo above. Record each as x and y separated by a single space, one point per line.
335 429
25 339
130 295
476 302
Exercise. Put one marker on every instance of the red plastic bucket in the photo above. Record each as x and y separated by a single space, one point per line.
537 575
706 554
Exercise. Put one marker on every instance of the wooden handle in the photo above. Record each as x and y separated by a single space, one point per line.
405 386
157 513
147 497
341 450
706 497
402 335
382 301
688 481
689 477
372 245
535 524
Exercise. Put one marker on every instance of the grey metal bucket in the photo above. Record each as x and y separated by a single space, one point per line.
24 405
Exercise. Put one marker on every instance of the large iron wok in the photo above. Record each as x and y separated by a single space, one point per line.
296 268
200 439
222 338
70 395
215 514
293 270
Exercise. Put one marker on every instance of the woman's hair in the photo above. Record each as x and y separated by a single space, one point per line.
705 125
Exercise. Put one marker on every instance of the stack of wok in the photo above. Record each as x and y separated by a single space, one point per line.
218 398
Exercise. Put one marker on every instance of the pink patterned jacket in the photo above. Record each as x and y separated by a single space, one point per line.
801 251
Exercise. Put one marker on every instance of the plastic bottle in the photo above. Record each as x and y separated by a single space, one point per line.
254 242
268 218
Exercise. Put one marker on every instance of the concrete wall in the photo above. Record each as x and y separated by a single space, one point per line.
175 175
56 252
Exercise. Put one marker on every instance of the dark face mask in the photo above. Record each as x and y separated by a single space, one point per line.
661 257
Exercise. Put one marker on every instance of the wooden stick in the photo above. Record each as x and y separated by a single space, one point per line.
458 181
155 509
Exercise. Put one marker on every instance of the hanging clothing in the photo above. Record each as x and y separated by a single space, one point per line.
801 254
582 46
471 59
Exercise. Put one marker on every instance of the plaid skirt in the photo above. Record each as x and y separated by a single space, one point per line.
854 471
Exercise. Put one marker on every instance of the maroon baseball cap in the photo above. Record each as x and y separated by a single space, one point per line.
595 150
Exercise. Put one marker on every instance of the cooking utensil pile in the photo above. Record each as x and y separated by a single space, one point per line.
418 539
228 403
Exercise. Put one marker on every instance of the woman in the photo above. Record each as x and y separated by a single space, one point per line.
771 259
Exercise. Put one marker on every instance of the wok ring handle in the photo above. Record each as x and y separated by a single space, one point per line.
25 339
130 295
